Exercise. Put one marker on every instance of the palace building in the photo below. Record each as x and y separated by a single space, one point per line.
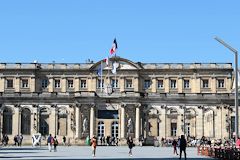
139 99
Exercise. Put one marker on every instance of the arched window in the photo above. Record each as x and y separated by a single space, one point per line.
7 121
26 121
44 121
100 129
115 129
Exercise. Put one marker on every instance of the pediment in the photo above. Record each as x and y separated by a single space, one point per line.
122 64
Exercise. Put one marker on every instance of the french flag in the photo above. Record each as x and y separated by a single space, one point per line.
114 47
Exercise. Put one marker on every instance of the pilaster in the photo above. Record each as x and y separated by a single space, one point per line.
63 84
154 85
180 84
32 84
17 84
2 84
50 84
136 84
166 84
122 84
76 84
213 84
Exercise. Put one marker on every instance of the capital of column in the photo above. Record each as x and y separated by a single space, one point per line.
137 105
164 106
123 104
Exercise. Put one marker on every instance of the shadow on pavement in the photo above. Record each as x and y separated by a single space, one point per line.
22 148
47 157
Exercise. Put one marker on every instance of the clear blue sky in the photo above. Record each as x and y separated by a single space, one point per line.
154 31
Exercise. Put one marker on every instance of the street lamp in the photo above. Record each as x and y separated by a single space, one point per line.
236 82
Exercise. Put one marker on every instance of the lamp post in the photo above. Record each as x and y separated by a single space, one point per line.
236 83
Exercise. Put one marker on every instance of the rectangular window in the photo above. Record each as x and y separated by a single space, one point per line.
57 83
221 83
115 83
70 83
205 83
99 83
173 129
186 84
160 84
128 83
147 84
44 83
24 83
173 84
9 83
83 84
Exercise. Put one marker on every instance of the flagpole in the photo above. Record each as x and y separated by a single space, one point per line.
101 77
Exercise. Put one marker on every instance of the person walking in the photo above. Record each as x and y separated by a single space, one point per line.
20 140
174 144
55 143
64 140
238 142
94 145
130 145
50 142
183 145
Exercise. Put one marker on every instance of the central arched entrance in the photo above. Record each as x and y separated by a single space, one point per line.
26 121
44 121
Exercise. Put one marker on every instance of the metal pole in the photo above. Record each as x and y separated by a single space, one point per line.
236 95
236 83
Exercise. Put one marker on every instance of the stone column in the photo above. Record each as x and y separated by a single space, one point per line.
15 121
200 122
137 130
34 120
218 122
122 122
92 120
162 127
77 121
52 120
180 121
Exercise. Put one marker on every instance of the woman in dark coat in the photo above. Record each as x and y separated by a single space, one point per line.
183 145
130 145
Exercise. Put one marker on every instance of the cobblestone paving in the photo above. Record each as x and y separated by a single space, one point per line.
103 152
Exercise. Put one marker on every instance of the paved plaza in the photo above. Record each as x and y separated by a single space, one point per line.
103 152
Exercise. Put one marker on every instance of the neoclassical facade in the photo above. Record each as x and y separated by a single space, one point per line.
140 99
